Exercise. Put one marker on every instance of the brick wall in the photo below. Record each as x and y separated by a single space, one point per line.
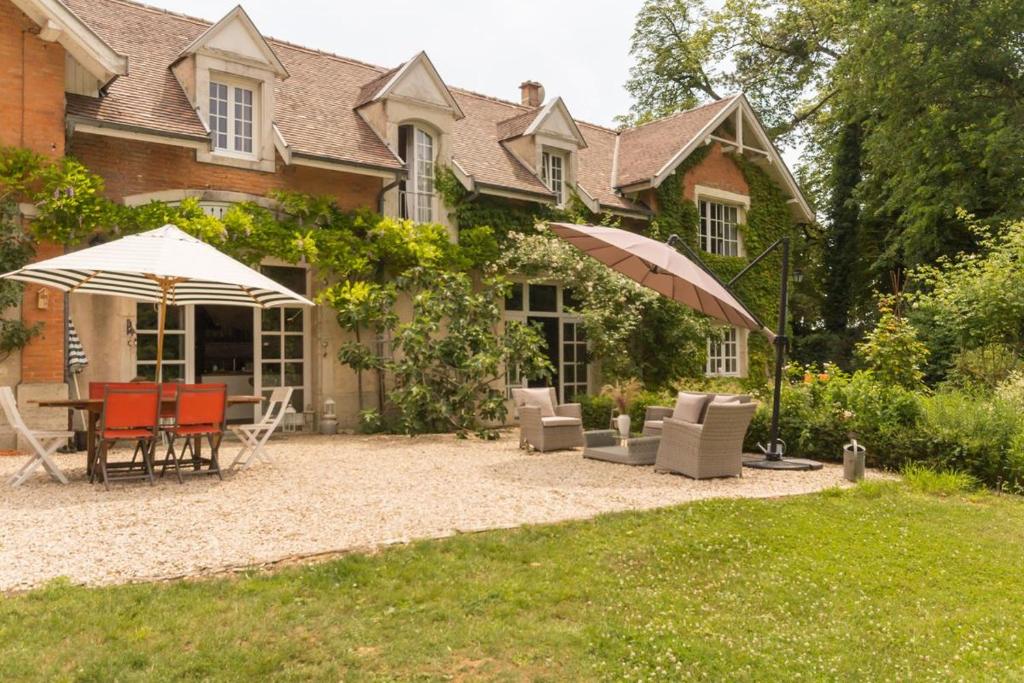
717 170
42 361
132 167
39 124
32 116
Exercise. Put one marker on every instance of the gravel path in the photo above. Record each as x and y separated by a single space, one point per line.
322 495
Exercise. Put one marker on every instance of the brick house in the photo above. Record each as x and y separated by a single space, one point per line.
165 107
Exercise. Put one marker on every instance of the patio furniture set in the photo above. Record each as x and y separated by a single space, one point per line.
145 415
700 437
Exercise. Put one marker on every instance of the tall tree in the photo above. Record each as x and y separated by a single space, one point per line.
935 87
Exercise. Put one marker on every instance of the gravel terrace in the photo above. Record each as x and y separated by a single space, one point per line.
323 495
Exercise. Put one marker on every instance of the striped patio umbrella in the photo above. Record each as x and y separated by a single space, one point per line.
164 266
77 360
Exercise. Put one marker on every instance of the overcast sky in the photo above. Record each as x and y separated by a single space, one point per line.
578 49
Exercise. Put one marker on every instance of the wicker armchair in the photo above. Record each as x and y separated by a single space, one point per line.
711 449
555 432
655 415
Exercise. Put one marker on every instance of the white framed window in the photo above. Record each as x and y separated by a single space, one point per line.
232 115
719 233
177 354
724 354
416 192
552 173
551 308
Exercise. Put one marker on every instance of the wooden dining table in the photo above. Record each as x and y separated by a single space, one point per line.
94 409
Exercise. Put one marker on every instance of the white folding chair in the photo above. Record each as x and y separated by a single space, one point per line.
255 436
44 443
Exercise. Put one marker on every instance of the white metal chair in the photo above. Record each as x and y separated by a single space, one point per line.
44 443
255 436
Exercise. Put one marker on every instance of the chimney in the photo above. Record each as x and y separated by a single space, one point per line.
532 93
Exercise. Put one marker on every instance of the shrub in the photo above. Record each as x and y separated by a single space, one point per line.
984 367
638 408
892 350
597 410
981 438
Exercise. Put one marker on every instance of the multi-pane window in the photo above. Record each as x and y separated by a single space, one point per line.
147 324
231 117
416 193
724 353
574 361
282 339
552 172
718 231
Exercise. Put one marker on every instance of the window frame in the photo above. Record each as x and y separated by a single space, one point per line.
547 173
417 204
718 230
233 86
723 351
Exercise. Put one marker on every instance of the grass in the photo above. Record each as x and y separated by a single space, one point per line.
879 582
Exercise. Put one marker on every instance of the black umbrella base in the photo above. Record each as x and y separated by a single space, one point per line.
787 464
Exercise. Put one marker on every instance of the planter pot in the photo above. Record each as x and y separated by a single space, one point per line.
622 422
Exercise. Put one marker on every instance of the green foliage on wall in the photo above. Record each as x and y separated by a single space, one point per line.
767 219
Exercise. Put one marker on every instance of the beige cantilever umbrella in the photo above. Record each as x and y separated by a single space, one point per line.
660 267
165 266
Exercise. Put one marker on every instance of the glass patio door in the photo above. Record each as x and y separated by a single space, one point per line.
281 351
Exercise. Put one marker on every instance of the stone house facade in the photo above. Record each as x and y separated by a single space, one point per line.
165 107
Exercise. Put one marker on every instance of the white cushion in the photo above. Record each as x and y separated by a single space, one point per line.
689 407
560 421
657 425
538 398
726 398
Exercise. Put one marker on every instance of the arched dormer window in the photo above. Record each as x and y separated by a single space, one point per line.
416 191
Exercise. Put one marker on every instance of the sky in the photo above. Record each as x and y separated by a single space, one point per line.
578 49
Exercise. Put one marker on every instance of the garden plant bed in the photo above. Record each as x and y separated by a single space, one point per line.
324 495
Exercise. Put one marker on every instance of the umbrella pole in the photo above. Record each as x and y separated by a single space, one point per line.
161 324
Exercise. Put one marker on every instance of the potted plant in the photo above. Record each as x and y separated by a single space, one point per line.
622 394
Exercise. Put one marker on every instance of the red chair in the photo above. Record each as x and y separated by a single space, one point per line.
96 390
130 413
201 410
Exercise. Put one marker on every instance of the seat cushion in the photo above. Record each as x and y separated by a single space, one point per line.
561 421
114 434
726 398
538 398
689 407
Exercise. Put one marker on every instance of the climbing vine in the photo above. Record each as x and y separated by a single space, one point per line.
767 219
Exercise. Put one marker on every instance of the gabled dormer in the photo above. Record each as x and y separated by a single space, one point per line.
229 73
413 111
546 140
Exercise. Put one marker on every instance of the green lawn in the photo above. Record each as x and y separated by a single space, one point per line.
879 582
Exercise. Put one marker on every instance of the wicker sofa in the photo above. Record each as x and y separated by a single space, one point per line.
560 429
713 448
655 415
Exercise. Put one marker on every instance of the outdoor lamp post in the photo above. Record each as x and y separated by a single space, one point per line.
775 450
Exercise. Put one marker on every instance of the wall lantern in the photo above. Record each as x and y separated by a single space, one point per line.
43 299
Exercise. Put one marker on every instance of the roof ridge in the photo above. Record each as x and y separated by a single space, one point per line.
270 39
681 113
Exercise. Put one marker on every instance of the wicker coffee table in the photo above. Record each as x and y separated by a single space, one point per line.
607 445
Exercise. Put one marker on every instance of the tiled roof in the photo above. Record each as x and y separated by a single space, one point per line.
314 106
315 110
517 125
644 151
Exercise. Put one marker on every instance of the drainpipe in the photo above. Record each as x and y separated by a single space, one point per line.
380 195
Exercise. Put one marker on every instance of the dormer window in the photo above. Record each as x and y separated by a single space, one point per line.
231 117
416 191
552 173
